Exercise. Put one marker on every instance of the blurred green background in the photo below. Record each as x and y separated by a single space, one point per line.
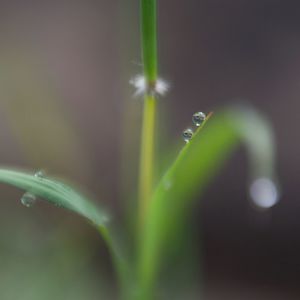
66 107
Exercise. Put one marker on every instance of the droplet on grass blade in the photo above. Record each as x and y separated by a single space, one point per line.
28 199
39 174
168 184
187 135
198 118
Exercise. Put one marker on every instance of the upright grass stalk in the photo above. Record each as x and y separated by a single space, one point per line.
149 39
149 59
147 156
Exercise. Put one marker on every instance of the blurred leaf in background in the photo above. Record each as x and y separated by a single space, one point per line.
40 263
41 125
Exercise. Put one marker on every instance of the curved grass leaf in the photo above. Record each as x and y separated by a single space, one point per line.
55 192
64 196
196 164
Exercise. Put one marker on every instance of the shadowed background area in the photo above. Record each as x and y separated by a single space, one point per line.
66 107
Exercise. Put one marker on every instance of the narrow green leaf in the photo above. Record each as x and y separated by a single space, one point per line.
64 196
57 193
196 164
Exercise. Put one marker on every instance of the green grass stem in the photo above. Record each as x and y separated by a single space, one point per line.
149 39
147 156
149 56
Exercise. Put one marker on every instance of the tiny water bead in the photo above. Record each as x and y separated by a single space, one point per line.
187 135
198 118
39 174
28 199
168 184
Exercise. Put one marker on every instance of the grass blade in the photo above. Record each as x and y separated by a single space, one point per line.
64 196
55 192
196 164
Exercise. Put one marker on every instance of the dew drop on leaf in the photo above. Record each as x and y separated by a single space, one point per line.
28 199
168 184
39 174
187 135
198 118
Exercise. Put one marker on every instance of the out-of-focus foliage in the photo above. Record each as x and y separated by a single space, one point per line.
58 265
190 173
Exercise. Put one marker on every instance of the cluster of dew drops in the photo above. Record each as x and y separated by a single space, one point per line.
29 199
197 119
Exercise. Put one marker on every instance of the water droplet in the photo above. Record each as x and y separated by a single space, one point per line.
28 199
264 193
198 118
168 184
187 134
39 174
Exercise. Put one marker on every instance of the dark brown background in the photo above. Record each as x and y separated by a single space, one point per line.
64 72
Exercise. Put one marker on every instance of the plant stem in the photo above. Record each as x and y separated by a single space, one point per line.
149 56
118 259
147 156
149 39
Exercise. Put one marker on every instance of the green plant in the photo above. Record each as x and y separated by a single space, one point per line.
162 209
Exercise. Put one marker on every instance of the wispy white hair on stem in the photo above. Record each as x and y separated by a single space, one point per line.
160 88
